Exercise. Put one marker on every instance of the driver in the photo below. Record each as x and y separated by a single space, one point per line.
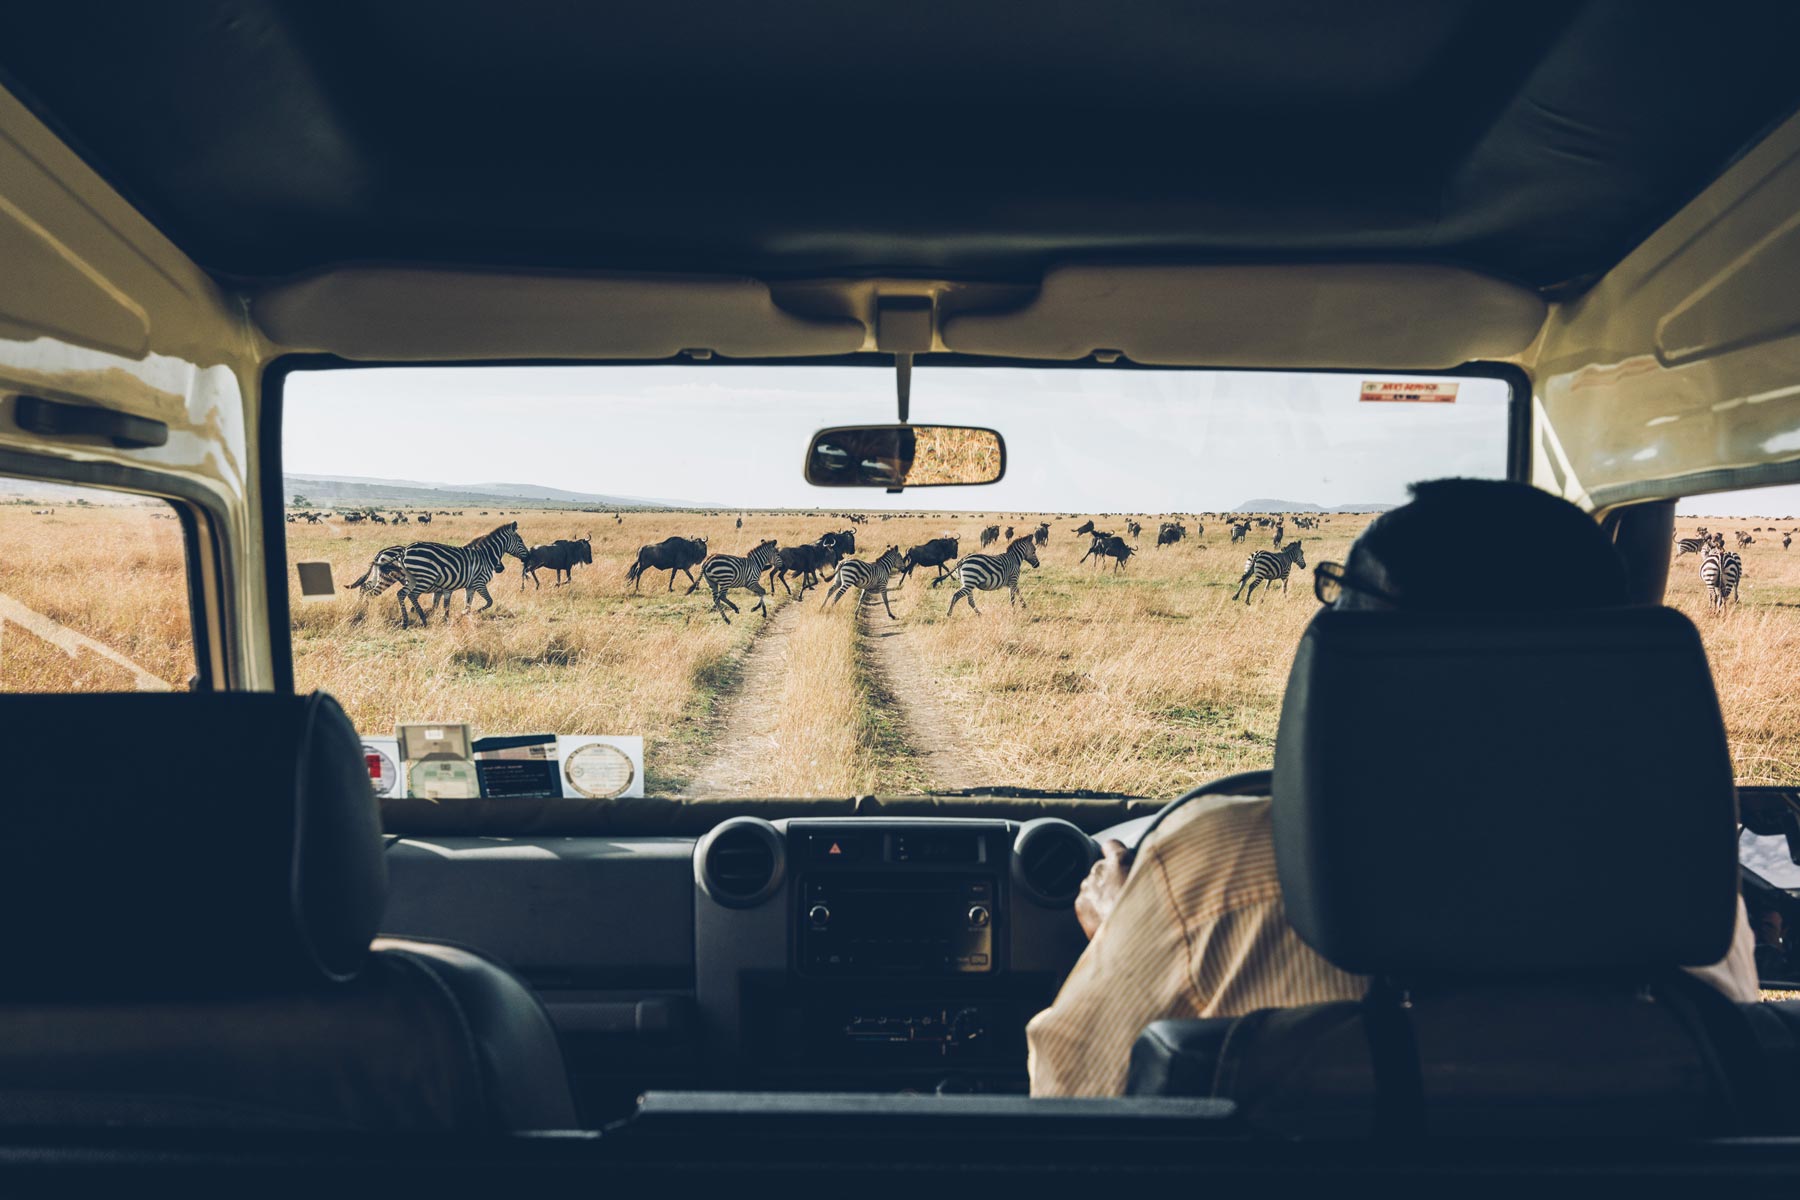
1194 925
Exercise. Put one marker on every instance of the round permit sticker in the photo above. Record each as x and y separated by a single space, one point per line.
598 771
384 777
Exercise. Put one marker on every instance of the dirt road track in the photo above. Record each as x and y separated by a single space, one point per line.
743 738
916 697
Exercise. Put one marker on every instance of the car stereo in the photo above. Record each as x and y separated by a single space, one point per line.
896 902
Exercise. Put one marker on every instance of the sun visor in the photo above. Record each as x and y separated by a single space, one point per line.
411 315
1345 315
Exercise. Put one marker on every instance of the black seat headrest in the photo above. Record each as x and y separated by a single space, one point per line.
1505 793
181 844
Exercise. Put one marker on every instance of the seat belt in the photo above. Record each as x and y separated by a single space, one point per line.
1394 1061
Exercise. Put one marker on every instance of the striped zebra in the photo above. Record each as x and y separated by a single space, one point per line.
870 577
1720 573
1266 566
1693 545
990 572
423 567
722 572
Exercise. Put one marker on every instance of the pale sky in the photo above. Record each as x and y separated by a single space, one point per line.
1077 440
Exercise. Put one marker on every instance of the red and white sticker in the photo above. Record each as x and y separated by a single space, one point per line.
1409 391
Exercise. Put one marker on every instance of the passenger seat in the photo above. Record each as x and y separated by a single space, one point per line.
188 892
1522 826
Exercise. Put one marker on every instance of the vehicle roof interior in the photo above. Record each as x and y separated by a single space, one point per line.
1535 141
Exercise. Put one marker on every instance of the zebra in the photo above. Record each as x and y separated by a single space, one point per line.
422 567
722 572
989 572
1720 573
1266 566
1693 545
870 577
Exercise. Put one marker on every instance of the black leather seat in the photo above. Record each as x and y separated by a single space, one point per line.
1521 827
189 888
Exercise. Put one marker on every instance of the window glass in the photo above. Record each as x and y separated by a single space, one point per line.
93 591
1144 673
1752 631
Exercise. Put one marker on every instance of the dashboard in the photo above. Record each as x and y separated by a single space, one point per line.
883 954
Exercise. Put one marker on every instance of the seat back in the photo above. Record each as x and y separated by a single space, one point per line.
189 889
1523 826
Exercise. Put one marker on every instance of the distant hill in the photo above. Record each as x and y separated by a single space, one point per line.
1301 506
326 491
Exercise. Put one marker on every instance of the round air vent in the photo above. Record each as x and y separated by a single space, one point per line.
1050 859
742 862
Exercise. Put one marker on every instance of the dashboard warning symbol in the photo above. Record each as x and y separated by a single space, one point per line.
835 849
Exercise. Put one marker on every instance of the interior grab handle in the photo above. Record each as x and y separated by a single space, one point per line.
58 418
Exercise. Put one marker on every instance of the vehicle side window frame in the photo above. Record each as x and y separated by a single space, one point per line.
194 513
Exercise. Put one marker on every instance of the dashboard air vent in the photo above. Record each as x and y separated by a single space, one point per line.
1050 859
741 862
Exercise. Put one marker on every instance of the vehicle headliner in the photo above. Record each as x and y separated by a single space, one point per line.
1536 140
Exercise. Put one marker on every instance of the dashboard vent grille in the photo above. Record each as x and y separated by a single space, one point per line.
740 864
1054 860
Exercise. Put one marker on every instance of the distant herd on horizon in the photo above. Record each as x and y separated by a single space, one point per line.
439 570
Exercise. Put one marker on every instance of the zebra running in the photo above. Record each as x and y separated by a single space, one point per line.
870 577
422 567
722 572
990 572
1720 573
1266 566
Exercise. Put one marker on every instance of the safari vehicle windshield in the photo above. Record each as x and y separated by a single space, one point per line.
651 568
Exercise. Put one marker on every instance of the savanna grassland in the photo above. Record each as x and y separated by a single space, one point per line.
1144 681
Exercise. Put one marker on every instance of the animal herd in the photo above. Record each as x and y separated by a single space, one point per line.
437 570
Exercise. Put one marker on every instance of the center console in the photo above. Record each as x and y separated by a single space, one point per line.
882 953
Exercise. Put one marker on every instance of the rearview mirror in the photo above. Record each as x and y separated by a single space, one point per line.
902 456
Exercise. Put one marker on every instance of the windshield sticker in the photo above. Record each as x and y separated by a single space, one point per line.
602 768
1408 391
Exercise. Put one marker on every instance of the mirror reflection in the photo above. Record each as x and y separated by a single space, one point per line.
892 456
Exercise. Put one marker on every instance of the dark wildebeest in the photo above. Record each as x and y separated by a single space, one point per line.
841 540
562 556
1085 528
424 518
989 536
1133 528
807 561
740 523
671 554
1042 536
1107 546
1009 533
938 552
1170 533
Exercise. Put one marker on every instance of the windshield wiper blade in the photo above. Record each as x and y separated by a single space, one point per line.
1027 793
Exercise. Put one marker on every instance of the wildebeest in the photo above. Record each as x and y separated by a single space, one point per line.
841 540
1107 545
989 536
1170 533
1042 536
938 552
562 556
424 518
807 561
672 554
1133 528
1085 527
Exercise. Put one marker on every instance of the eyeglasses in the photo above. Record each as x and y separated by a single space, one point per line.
1331 581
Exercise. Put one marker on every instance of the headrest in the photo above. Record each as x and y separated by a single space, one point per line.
172 844
1505 793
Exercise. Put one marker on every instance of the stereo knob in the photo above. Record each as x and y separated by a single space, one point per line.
979 916
818 916
966 1025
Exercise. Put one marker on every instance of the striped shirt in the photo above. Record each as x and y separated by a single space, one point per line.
1199 931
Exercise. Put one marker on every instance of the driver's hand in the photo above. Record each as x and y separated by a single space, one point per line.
1100 890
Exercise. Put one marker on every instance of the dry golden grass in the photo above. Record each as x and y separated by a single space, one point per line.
1146 681
116 574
